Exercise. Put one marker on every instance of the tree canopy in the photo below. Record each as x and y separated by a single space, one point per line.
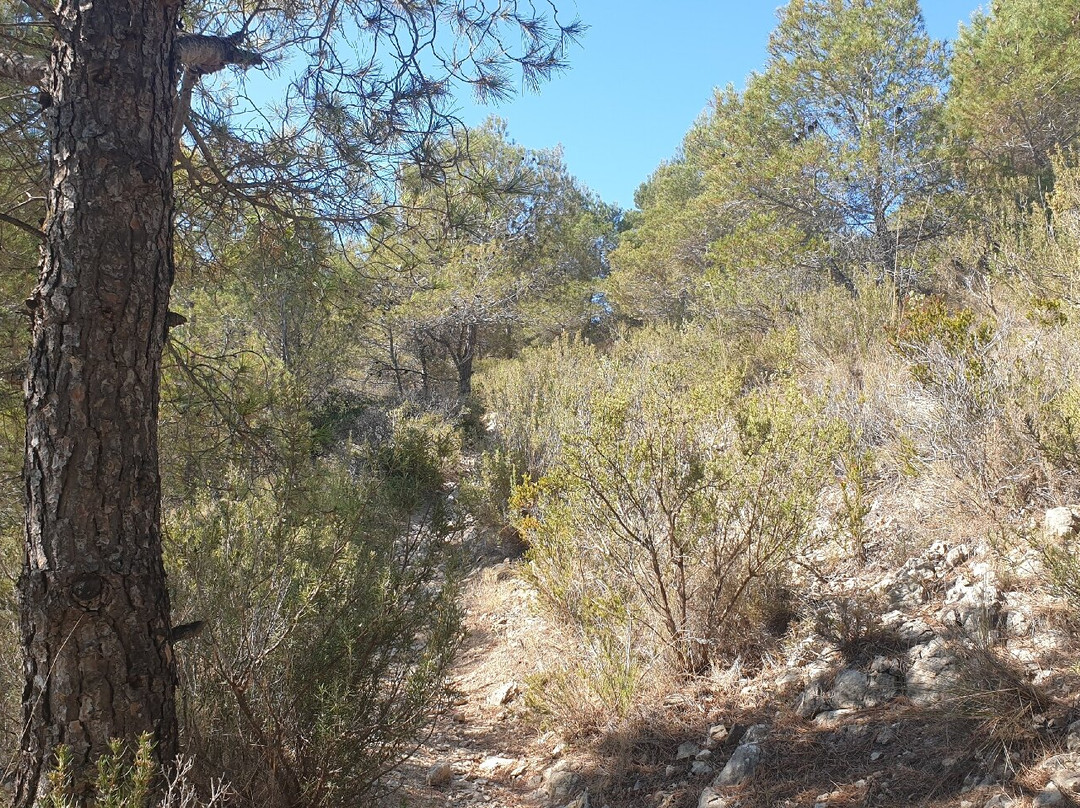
1015 81
507 253
835 147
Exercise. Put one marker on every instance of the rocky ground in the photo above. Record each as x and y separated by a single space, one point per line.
949 680
483 751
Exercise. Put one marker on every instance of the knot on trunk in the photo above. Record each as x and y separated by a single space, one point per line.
89 591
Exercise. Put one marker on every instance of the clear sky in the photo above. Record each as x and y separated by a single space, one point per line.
644 72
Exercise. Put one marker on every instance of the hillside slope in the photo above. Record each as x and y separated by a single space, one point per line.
947 680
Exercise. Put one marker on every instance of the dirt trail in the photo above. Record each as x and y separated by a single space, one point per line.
481 751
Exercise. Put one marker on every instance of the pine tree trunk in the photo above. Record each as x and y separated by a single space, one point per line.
93 600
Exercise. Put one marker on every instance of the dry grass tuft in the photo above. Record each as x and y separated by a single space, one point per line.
853 625
995 692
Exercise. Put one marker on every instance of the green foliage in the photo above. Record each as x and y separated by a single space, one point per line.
930 332
1033 264
12 440
528 400
331 603
603 682
298 296
828 162
1055 426
422 451
486 492
501 255
1063 570
1015 76
675 505
835 324
20 178
122 779
662 253
318 556
775 366
952 355
856 472
838 134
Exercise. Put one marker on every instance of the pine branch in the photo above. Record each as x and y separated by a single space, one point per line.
202 54
42 7
19 223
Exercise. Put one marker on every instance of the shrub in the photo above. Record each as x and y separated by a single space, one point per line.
127 779
601 676
856 470
529 399
330 603
422 451
931 333
486 492
1062 568
328 584
952 352
682 505
122 781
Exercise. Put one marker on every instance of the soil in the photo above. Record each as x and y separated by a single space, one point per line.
496 754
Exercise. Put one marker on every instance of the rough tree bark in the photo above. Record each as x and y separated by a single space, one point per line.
94 606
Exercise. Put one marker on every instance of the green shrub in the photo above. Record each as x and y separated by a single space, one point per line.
485 493
962 338
856 470
529 399
683 504
330 603
422 451
1055 426
600 679
125 778
122 779
840 324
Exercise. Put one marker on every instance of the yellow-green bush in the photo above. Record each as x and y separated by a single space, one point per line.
675 506
128 778
123 779
527 399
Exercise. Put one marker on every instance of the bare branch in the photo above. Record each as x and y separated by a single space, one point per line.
187 87
34 231
202 54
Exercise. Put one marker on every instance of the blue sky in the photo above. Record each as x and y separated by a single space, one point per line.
643 74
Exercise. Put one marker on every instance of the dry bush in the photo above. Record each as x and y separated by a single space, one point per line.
1062 567
853 625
